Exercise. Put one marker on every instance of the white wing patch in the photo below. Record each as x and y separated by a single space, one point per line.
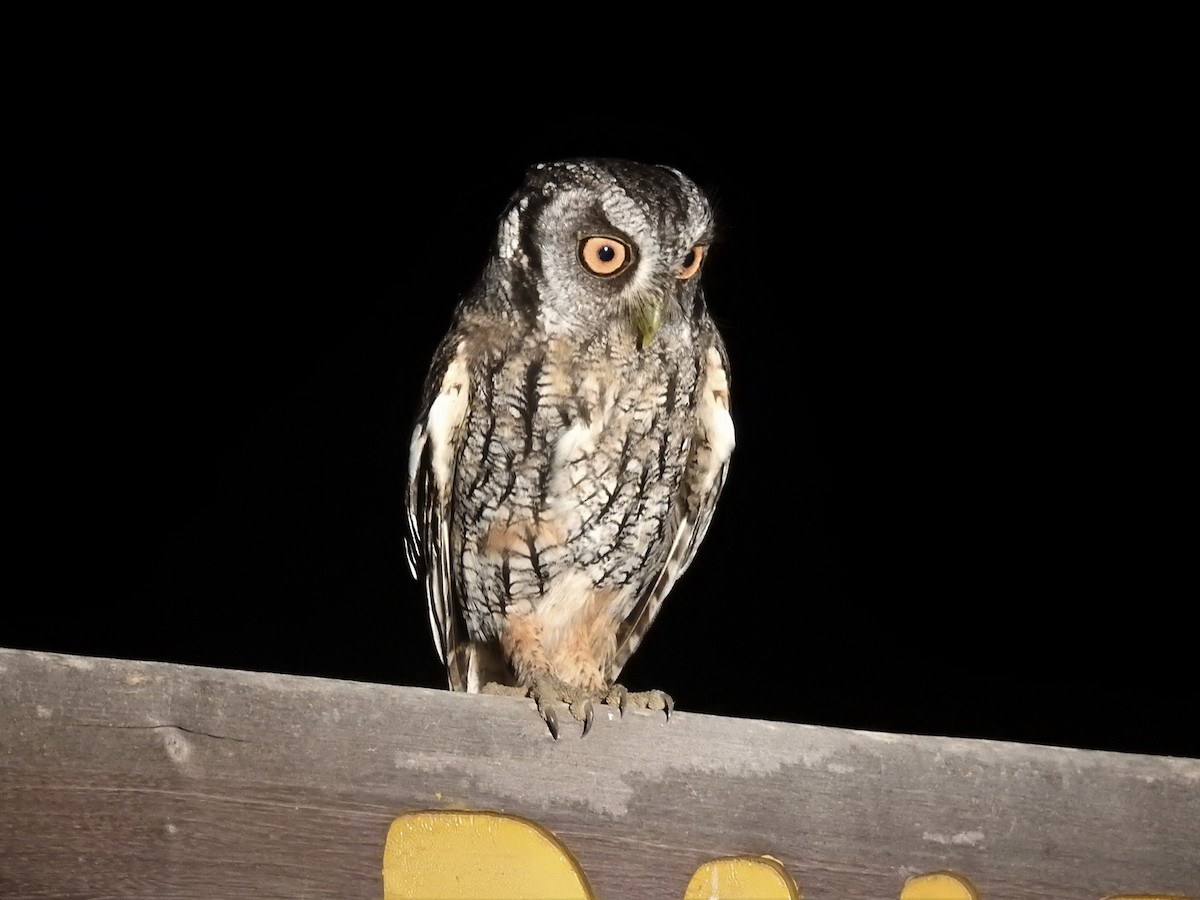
432 457
716 425
446 417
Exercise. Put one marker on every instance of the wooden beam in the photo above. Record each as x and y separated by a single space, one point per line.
148 780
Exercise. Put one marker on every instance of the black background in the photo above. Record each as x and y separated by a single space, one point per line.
945 512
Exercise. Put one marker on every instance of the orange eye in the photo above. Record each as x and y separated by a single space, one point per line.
603 255
691 262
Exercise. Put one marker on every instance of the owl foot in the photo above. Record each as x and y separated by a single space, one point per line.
617 694
580 703
546 691
541 691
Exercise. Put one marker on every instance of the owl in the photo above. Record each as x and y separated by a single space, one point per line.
573 437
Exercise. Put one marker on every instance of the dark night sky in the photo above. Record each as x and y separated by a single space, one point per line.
943 511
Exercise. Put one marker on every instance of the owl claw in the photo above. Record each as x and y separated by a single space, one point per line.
543 692
620 695
588 717
644 700
551 718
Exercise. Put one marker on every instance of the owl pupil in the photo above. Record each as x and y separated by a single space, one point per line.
689 259
606 253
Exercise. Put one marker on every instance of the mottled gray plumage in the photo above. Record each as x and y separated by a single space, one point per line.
574 431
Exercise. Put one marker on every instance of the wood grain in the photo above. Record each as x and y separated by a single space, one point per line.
147 780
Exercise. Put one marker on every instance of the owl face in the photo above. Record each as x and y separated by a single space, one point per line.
608 243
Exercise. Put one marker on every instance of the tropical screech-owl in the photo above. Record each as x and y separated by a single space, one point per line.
573 437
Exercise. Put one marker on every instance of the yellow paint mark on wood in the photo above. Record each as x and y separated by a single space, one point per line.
480 856
462 855
742 878
938 886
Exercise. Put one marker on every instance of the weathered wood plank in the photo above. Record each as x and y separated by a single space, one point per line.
146 780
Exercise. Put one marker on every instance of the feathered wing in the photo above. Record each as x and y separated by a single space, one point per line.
708 464
433 456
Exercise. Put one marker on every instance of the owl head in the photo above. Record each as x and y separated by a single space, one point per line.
601 243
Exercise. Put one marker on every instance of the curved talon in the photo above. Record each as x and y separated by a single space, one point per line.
551 718
621 695
588 717
670 705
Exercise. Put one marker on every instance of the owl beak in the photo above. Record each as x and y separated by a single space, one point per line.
647 318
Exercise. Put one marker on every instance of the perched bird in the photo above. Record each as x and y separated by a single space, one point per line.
573 437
